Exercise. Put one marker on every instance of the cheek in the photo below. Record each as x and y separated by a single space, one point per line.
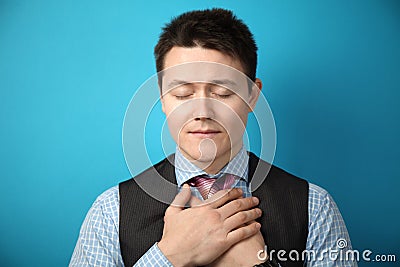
175 126
177 118
234 128
233 119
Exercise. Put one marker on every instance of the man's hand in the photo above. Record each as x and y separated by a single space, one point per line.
242 254
199 235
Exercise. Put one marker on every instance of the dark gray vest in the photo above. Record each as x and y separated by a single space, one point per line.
283 200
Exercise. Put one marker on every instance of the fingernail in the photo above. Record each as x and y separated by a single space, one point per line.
259 212
258 225
255 200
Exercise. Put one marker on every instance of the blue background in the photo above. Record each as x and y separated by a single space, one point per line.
69 68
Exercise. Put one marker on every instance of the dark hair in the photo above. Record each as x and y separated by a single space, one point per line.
215 28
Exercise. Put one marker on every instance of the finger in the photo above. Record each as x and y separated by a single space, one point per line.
242 233
195 202
246 217
237 205
180 200
223 196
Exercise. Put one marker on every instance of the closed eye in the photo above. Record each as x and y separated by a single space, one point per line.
182 97
223 95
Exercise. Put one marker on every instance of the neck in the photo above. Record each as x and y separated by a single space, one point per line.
216 165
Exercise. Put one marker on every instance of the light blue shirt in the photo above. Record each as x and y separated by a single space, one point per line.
98 242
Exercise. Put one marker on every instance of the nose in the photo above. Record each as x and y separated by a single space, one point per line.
203 109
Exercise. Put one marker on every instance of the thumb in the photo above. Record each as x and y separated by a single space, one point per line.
196 202
180 200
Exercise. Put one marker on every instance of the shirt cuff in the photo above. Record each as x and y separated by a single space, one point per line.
153 257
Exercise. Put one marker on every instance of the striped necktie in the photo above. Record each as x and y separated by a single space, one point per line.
209 186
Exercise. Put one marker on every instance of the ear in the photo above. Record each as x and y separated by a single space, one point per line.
254 94
161 97
162 103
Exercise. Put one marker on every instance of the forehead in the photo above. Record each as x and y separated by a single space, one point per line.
179 55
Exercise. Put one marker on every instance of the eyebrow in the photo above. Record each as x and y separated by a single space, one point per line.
175 83
225 82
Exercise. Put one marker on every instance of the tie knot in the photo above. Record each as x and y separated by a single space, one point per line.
201 180
208 186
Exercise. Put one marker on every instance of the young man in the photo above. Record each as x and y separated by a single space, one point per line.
201 57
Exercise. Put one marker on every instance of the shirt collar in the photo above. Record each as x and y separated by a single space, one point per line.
185 170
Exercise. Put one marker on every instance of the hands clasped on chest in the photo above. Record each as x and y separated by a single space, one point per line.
220 231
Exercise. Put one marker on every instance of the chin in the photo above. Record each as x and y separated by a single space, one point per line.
205 156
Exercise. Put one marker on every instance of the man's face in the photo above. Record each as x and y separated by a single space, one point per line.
206 101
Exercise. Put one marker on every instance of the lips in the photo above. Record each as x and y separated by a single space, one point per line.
204 133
